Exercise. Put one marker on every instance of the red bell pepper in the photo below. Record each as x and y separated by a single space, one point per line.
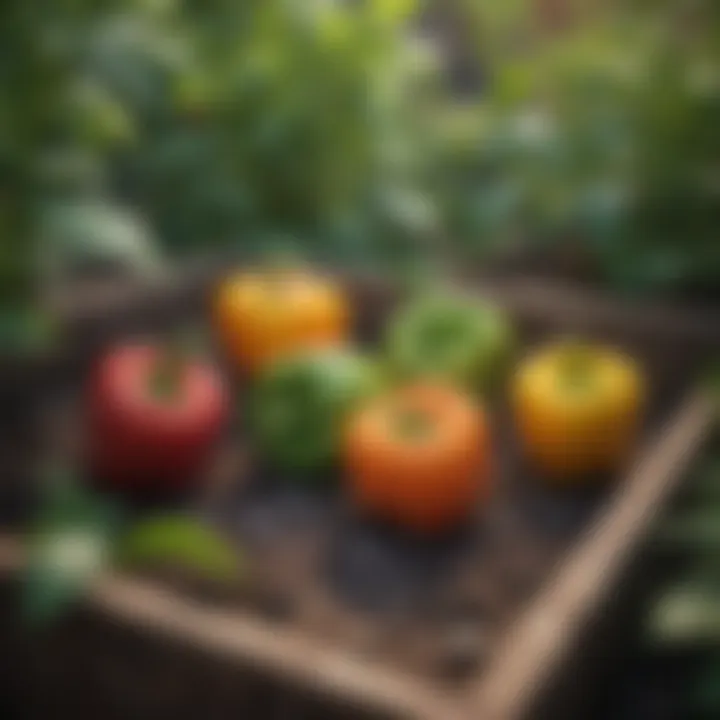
153 418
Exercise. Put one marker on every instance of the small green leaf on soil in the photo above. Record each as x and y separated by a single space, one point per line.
180 540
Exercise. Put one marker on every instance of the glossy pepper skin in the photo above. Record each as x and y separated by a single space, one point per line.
577 408
301 404
450 338
419 457
152 422
264 314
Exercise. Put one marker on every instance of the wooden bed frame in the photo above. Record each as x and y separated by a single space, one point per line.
540 644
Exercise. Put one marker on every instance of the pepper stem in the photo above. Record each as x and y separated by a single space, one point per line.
169 369
279 266
577 364
412 424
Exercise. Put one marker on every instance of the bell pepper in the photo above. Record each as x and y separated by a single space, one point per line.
264 314
419 456
451 338
153 418
301 403
577 408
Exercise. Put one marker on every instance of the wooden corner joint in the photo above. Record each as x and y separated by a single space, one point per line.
537 644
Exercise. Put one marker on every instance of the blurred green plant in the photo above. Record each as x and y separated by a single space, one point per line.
78 534
686 611
269 118
222 124
77 232
684 615
169 127
56 130
69 544
605 133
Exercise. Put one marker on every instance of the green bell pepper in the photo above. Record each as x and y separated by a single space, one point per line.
450 337
301 402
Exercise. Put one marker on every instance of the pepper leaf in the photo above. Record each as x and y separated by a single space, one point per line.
179 539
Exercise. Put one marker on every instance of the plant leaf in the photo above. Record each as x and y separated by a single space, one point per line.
687 614
179 539
70 545
73 233
62 564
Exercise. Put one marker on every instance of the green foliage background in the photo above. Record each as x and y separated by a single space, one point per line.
146 130
606 133
229 123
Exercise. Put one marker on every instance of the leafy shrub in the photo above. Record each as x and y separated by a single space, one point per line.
606 133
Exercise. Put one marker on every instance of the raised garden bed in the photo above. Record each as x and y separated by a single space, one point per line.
483 623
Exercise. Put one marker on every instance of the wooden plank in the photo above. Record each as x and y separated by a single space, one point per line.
539 642
89 302
286 655
582 307
533 298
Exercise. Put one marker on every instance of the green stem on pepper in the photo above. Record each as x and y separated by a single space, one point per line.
577 368
412 424
168 372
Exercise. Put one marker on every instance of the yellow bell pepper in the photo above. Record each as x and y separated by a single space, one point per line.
577 408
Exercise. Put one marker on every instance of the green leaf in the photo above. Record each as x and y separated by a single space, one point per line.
69 546
686 615
72 233
179 540
62 564
100 118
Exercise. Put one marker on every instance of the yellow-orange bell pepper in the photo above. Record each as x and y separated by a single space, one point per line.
265 314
